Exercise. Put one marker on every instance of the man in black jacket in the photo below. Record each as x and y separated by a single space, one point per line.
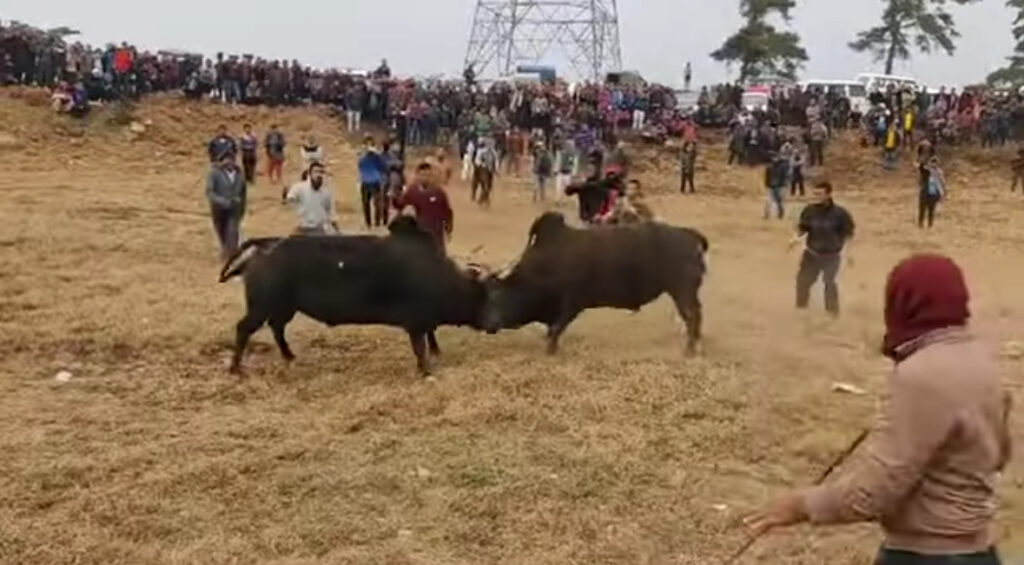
825 228
221 144
776 174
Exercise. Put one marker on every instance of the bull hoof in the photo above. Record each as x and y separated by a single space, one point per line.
236 371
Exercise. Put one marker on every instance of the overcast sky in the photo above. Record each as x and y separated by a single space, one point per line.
429 36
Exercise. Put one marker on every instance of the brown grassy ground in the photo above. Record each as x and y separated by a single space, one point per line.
619 450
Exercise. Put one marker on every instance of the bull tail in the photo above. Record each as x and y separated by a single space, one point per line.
227 272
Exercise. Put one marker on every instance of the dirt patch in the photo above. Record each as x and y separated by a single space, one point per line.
618 450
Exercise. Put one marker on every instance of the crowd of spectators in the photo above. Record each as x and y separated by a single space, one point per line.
438 111
433 109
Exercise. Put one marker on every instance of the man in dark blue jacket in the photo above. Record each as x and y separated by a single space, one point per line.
221 144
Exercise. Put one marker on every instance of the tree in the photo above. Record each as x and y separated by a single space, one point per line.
924 24
1013 73
758 47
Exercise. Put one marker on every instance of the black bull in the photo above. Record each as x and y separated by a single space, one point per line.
402 280
564 271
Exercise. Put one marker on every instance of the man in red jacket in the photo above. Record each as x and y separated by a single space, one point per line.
429 202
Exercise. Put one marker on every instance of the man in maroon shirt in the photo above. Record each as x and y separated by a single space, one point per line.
430 203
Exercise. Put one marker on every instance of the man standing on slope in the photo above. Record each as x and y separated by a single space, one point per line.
775 176
274 144
430 204
373 172
825 228
314 203
248 145
222 143
225 190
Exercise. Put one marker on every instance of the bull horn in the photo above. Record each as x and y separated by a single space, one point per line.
504 271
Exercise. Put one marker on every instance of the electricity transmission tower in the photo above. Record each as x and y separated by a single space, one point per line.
507 33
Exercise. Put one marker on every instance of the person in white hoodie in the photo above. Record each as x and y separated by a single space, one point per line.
467 160
311 152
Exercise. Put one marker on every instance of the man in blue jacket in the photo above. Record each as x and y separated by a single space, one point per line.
221 144
373 171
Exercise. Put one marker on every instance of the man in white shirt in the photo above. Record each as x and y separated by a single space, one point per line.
314 203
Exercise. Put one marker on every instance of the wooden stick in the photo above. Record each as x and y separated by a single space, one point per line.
821 478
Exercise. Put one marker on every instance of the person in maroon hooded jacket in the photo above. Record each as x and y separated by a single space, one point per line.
429 202
929 470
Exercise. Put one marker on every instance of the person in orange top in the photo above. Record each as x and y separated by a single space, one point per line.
929 471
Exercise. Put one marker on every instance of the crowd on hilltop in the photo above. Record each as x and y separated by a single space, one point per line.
508 114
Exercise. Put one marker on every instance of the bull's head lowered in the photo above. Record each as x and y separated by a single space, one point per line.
517 296
513 302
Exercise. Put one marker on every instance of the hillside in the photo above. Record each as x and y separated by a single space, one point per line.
618 450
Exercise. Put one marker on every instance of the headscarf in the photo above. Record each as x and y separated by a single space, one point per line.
924 293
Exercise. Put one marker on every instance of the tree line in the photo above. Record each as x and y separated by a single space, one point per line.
760 48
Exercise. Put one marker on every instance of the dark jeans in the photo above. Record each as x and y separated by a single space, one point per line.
374 196
926 205
249 166
894 557
797 184
817 153
226 222
483 180
688 180
813 265
774 200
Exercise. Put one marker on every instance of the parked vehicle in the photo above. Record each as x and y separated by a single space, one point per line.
854 91
874 81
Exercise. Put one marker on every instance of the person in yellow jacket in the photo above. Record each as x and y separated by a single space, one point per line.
891 144
909 122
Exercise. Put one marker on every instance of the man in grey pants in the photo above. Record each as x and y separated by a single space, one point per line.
225 189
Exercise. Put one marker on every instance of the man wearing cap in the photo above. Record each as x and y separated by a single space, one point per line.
225 190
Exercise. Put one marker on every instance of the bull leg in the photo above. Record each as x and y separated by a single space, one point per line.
555 330
243 331
690 310
419 347
277 325
432 343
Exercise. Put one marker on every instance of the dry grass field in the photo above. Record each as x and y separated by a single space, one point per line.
618 450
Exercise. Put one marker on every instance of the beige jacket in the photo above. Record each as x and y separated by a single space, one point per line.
928 472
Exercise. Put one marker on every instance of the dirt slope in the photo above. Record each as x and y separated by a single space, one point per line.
618 450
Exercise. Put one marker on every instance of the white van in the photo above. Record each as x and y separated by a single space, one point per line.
755 100
854 91
873 82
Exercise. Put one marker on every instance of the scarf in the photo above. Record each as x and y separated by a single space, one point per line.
924 293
